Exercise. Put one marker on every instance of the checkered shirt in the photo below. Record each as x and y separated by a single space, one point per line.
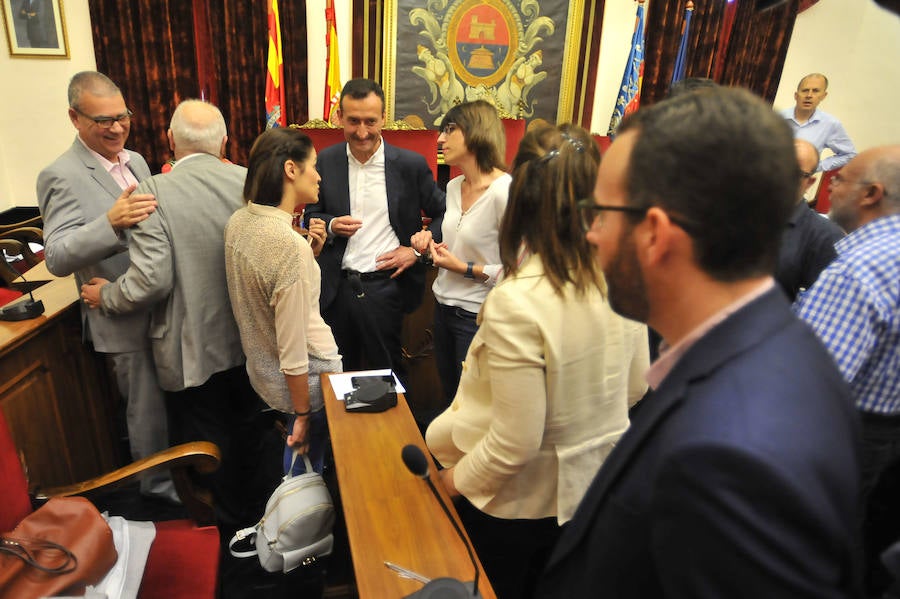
854 307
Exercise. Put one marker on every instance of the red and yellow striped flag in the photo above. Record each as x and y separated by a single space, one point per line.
275 72
332 64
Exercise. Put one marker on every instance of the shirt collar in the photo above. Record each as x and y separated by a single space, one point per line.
886 224
270 211
184 159
123 157
798 212
376 158
669 356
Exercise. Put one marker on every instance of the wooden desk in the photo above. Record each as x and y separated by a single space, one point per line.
391 514
55 392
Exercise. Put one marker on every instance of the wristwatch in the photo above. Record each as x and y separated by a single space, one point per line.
469 273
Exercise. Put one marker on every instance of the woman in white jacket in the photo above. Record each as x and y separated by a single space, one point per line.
548 378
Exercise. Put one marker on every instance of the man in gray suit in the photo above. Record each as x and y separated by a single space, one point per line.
86 201
178 271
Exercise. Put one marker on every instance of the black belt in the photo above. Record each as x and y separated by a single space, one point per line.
375 275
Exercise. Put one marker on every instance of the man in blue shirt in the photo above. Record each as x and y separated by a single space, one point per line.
854 306
818 127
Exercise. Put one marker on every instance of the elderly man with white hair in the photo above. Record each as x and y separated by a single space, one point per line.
178 271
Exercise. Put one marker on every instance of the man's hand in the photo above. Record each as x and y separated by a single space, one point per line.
421 241
128 209
345 226
400 258
90 292
316 235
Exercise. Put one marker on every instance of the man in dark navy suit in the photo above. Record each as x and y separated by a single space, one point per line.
739 475
372 197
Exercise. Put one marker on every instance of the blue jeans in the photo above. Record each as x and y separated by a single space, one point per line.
454 329
318 443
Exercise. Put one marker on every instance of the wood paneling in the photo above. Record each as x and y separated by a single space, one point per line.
56 394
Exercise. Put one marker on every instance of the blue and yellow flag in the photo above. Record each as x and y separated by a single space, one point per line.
274 72
630 90
681 58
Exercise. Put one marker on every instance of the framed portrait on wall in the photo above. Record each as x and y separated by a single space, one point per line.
35 28
523 56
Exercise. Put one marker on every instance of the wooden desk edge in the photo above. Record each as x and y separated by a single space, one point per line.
332 404
58 294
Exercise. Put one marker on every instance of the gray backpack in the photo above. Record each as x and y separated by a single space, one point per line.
296 528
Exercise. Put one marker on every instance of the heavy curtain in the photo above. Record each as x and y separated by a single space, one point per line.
754 57
150 50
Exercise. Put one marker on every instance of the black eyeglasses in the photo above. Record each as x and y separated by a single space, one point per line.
806 174
449 128
590 212
106 122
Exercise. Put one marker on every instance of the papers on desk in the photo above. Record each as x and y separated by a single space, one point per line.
342 383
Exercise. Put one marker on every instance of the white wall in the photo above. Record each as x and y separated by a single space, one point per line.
856 44
615 44
34 126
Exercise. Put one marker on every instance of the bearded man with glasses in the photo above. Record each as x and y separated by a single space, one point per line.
86 201
739 475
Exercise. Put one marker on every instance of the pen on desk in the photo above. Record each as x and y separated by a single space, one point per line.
404 573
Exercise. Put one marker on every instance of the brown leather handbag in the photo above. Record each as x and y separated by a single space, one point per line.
58 549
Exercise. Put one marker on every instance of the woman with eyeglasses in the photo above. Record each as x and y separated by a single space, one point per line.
473 139
549 376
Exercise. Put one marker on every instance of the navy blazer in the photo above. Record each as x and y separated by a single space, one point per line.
411 190
739 477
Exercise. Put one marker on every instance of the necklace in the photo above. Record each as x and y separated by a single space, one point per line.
462 213
473 190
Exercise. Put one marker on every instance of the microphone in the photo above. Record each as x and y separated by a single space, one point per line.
23 310
439 588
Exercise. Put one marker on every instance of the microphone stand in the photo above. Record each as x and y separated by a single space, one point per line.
23 310
440 588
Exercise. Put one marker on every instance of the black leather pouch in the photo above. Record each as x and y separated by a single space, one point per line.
371 394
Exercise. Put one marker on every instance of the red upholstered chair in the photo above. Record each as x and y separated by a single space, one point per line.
421 141
603 141
321 135
184 558
822 202
515 131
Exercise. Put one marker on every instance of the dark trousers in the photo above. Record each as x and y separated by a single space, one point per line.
880 494
513 552
454 329
366 318
225 410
